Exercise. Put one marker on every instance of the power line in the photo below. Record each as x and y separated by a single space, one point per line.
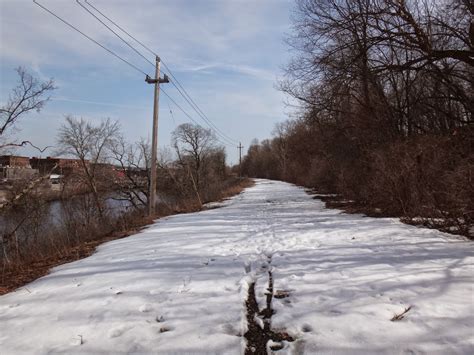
185 95
90 39
187 114
171 113
178 85
121 29
115 33
188 98
196 108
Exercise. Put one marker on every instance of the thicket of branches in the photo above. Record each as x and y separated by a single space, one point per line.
104 192
386 89
107 191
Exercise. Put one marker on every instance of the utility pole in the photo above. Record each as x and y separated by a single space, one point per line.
240 159
154 140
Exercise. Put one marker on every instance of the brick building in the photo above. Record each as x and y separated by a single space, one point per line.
13 167
61 166
14 161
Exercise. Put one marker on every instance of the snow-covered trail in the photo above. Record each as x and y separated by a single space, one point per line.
180 285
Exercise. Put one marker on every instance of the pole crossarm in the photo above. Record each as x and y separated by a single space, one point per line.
163 80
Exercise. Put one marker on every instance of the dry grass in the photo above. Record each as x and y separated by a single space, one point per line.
15 275
237 187
35 265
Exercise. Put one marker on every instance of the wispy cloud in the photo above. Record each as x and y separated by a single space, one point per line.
213 68
226 53
99 103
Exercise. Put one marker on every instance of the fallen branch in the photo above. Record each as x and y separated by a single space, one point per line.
400 316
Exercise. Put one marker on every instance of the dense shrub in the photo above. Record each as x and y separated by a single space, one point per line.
386 101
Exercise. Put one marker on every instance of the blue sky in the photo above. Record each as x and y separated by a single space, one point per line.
228 54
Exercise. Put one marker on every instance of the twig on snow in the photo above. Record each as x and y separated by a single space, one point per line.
400 316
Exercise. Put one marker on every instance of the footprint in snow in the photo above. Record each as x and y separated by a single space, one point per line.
230 329
78 340
117 331
106 302
287 302
165 329
145 308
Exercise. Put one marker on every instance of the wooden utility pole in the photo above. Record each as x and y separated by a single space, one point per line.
240 159
154 140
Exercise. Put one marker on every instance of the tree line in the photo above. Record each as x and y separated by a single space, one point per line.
109 173
384 114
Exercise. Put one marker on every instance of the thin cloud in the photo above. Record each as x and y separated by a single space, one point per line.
239 69
111 104
227 55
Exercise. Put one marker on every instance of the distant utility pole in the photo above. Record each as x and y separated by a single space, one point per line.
154 140
240 159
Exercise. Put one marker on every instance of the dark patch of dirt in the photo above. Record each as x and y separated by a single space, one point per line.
335 201
257 338
281 294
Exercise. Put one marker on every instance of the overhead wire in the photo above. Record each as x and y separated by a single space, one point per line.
182 91
90 38
187 114
177 85
120 28
196 108
115 33
171 113
192 103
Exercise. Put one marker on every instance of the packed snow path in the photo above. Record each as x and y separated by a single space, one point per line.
180 285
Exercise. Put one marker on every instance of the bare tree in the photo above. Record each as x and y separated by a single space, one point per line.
134 162
386 106
351 52
29 95
280 145
193 144
90 144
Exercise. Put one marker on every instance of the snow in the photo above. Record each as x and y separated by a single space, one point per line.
180 285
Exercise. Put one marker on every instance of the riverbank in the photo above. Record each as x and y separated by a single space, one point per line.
15 275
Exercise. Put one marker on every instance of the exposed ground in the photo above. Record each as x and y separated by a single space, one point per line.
273 270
